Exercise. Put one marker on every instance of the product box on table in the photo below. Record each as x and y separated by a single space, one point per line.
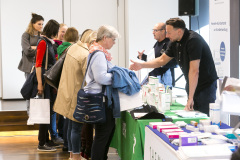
161 128
155 124
188 140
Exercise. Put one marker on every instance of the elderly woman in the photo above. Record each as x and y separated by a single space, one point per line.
73 72
97 76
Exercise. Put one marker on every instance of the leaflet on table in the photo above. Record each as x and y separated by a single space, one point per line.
219 151
191 114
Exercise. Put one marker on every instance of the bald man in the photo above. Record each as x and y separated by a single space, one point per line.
165 73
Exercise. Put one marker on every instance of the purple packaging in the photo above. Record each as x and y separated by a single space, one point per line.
187 140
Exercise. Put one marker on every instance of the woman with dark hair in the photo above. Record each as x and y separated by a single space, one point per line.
46 91
29 42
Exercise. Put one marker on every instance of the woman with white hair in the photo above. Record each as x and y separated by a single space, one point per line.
97 76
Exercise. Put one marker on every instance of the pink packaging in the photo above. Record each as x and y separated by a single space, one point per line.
161 128
173 135
155 124
165 131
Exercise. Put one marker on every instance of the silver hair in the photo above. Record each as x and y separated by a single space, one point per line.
107 31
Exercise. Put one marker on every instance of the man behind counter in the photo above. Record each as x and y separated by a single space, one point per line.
195 60
164 73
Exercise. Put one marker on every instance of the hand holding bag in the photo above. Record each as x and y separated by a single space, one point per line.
90 107
39 112
53 75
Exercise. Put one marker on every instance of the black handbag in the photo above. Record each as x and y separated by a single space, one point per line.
27 90
90 107
28 86
53 75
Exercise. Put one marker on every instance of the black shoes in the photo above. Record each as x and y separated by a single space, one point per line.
58 140
52 144
65 149
46 148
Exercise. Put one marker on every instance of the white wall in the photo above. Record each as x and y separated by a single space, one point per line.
140 18
81 14
92 14
15 17
0 55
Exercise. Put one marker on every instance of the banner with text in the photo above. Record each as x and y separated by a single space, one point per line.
219 28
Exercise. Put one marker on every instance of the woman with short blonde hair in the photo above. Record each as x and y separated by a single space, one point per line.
96 77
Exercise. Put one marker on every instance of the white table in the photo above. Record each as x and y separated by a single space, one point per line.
155 148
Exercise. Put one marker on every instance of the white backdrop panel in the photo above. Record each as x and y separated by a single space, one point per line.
142 16
92 14
15 17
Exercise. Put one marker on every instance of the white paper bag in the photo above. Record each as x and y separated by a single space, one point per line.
130 102
39 112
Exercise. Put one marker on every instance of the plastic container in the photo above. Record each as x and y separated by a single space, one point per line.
214 112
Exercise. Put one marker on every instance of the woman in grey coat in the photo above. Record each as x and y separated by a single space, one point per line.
29 43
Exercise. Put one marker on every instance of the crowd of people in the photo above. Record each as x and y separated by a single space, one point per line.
176 45
56 39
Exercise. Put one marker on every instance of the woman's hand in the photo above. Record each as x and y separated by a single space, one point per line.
34 47
40 89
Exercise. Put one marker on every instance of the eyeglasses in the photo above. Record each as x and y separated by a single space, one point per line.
155 30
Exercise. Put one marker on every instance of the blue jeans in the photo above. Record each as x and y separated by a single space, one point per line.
204 97
74 137
53 126
166 78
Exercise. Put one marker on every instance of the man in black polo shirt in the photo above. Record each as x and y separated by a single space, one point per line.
164 73
194 58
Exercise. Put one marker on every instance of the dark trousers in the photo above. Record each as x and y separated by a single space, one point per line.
103 136
87 139
65 129
60 125
43 135
204 97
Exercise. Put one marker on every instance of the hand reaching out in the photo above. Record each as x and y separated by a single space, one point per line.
135 66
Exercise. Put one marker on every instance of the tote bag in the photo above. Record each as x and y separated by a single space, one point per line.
53 75
39 112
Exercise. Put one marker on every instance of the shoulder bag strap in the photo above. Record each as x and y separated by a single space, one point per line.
103 86
65 51
46 63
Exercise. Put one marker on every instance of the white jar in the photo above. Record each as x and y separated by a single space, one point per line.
214 112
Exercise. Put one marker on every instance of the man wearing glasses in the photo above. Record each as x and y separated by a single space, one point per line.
195 60
165 73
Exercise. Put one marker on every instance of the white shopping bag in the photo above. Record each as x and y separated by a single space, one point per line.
130 102
39 112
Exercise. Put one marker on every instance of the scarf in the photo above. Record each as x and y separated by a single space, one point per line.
95 46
